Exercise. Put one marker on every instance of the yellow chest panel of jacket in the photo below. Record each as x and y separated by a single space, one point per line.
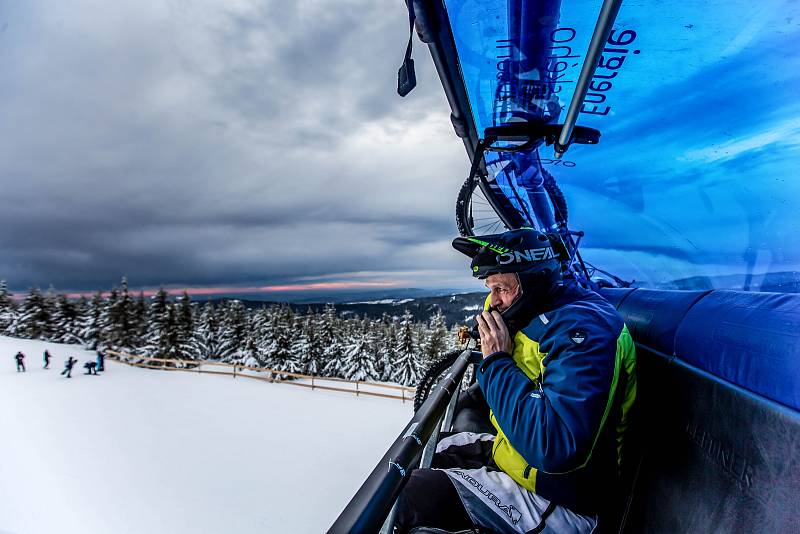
526 353
528 357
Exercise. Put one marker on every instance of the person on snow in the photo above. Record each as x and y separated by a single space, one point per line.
46 359
558 376
91 368
101 361
68 364
20 359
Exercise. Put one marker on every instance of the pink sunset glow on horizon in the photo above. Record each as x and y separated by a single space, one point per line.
280 288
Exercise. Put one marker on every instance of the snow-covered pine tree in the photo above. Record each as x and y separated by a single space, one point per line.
205 341
65 316
260 331
90 322
8 310
406 369
172 330
292 363
351 329
34 320
282 354
120 328
184 328
108 324
81 306
435 339
159 338
387 352
126 324
233 332
375 334
330 338
50 306
309 346
358 361
249 354
140 318
366 324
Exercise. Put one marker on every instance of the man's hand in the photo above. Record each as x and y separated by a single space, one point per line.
494 334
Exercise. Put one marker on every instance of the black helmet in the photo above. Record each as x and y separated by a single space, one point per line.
525 250
533 256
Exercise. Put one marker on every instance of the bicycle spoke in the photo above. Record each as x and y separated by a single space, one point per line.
478 215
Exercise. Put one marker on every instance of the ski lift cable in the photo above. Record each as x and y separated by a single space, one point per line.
605 22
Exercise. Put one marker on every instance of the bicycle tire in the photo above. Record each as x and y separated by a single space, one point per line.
557 198
431 375
479 211
473 205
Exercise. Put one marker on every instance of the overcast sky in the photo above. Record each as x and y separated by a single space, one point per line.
221 143
203 144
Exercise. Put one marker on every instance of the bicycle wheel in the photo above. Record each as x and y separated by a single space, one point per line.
475 212
556 198
482 210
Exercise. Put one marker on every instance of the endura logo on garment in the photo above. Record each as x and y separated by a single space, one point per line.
512 513
532 254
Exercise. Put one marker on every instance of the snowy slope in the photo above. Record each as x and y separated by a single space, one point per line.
146 451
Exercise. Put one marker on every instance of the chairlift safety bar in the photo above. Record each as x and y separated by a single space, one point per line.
367 510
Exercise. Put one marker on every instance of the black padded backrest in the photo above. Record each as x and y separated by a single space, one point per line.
749 339
716 457
616 295
653 316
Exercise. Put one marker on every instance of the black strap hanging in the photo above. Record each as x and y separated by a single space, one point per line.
406 77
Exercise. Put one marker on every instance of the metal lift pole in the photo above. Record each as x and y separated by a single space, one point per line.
605 22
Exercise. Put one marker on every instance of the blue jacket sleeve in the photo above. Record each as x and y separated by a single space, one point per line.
554 428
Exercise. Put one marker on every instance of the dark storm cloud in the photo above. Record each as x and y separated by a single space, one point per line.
256 142
206 144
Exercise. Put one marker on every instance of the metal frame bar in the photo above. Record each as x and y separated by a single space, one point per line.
605 22
427 453
369 507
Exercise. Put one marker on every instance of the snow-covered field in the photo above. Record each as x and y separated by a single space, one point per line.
146 451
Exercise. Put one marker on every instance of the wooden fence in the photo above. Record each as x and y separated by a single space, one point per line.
360 387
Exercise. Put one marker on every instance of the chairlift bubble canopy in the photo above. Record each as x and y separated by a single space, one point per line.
693 184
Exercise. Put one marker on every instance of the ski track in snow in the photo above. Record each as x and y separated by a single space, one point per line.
147 451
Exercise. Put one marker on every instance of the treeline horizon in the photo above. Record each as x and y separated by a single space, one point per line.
319 342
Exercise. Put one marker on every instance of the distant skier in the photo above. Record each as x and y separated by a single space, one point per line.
91 368
47 359
20 358
68 367
101 361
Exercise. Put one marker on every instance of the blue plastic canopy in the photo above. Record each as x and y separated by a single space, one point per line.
694 183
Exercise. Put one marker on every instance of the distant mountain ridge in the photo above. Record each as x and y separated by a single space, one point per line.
336 297
460 308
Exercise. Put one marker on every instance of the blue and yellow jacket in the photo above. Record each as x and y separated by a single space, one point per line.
561 400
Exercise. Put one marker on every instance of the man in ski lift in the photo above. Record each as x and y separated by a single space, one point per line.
558 376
